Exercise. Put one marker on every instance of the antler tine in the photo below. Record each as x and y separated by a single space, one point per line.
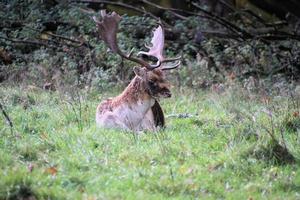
108 28
157 47
171 59
171 66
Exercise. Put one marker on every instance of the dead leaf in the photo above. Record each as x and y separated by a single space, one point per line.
45 35
296 114
5 56
51 170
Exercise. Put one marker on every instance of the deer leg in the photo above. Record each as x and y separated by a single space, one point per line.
109 120
148 123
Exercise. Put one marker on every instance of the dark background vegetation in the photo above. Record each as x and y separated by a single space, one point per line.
52 44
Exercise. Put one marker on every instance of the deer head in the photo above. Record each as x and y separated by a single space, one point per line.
154 82
152 75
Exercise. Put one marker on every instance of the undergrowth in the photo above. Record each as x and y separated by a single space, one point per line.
230 145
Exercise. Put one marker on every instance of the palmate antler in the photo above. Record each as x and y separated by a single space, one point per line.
157 47
108 28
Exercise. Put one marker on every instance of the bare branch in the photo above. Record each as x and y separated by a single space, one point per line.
135 8
244 34
38 43
80 43
7 118
171 10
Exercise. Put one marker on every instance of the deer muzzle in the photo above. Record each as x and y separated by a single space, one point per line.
166 93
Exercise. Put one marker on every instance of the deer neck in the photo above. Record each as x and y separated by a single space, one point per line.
136 96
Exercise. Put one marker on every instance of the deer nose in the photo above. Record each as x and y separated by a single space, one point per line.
167 94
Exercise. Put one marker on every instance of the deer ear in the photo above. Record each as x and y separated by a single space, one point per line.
139 71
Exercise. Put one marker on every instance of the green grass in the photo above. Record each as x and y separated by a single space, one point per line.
222 150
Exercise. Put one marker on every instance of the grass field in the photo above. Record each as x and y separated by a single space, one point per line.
232 145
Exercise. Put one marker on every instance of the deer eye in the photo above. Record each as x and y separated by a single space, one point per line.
152 84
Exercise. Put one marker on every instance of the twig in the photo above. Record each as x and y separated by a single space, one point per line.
171 10
226 4
219 34
279 36
244 34
175 9
250 12
135 8
25 41
62 37
181 115
208 15
7 118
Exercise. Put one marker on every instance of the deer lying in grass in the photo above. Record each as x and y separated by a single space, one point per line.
136 108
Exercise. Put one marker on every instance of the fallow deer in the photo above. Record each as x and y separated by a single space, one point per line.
137 107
